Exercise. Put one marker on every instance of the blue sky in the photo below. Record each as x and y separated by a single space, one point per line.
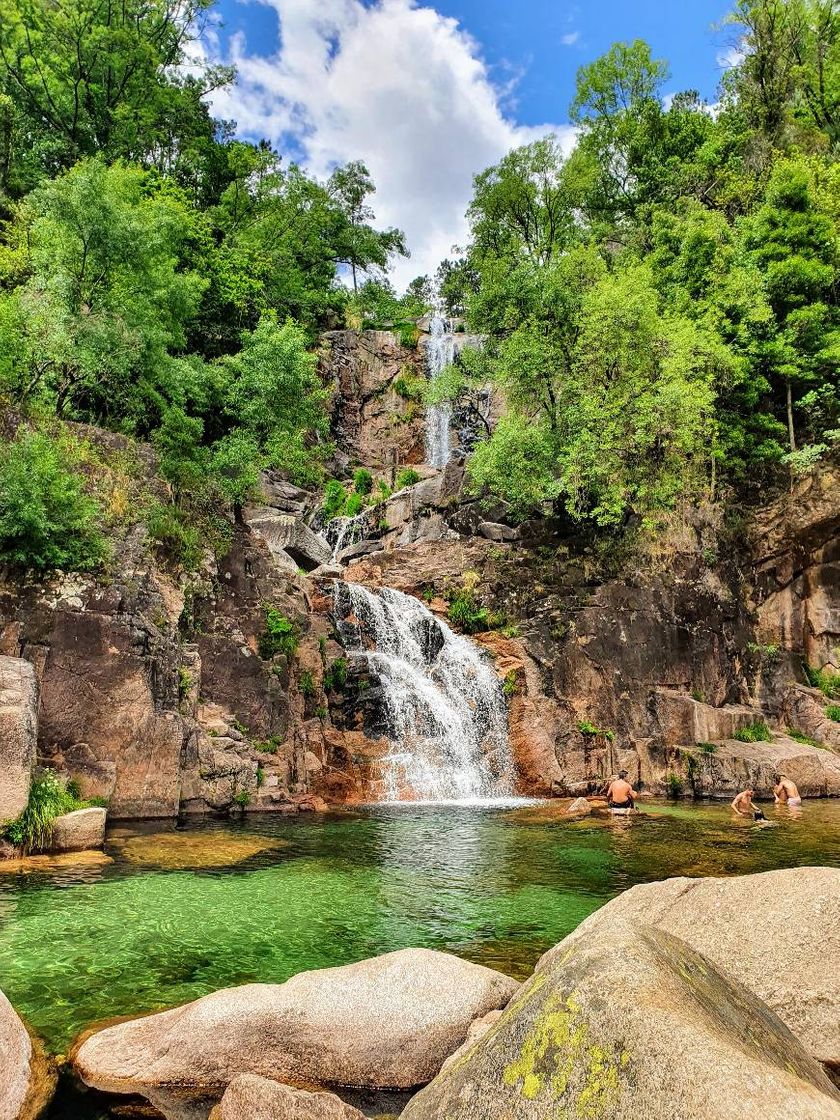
430 94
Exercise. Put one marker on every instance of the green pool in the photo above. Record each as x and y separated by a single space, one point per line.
174 914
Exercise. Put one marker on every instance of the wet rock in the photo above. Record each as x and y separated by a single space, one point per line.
27 1078
679 718
735 766
18 734
388 1022
78 831
580 807
256 1098
631 1023
361 548
776 933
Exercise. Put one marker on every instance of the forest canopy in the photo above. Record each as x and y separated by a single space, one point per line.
659 306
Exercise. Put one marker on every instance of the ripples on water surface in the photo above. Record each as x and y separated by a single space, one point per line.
175 914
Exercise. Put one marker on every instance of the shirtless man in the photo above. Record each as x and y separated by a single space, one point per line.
743 803
620 794
785 791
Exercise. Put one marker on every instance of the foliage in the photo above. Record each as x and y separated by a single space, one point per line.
801 737
266 746
363 481
827 681
47 518
406 477
674 786
465 608
280 635
242 798
173 538
586 727
707 748
756 732
49 797
832 712
335 499
509 684
307 683
335 678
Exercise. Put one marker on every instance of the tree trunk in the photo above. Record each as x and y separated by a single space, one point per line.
791 435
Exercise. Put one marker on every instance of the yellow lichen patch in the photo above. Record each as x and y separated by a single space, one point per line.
557 1058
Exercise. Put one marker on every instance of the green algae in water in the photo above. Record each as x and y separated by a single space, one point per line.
87 943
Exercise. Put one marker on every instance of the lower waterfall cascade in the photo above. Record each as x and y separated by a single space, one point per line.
444 706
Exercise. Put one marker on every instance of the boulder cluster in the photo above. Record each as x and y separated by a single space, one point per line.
691 998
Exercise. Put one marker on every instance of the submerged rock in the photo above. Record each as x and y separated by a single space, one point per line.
385 1023
78 831
777 933
27 1078
202 848
256 1098
626 1024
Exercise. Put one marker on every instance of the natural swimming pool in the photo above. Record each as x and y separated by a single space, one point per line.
173 914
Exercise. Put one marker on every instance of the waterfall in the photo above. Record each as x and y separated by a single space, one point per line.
444 706
341 532
440 353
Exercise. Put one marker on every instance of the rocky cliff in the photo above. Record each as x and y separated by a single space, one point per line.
157 689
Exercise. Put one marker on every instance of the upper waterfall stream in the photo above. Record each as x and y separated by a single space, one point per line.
444 705
440 353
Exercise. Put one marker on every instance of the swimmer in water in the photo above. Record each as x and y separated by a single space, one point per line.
785 791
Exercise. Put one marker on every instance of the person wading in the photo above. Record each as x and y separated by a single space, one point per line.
620 794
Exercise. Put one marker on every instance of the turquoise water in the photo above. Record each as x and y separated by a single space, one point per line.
173 915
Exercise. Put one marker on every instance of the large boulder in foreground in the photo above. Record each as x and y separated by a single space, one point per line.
27 1079
385 1023
626 1023
249 1097
18 734
778 933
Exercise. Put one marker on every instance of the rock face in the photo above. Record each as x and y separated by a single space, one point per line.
79 831
384 1023
631 1023
375 415
735 766
746 927
796 550
18 734
27 1080
256 1098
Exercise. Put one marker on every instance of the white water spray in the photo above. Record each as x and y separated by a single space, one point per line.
440 353
444 705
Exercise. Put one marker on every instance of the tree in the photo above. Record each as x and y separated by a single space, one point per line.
275 398
790 66
612 399
105 304
47 520
357 243
794 246
98 78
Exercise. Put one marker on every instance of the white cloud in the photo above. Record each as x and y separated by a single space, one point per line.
731 57
570 39
399 86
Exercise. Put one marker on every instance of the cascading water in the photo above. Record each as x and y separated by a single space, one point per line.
440 353
344 531
444 706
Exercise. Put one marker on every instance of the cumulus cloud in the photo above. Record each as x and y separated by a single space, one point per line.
731 57
570 39
397 85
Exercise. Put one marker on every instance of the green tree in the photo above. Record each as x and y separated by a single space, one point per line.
275 397
106 303
795 247
47 520
103 79
357 244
